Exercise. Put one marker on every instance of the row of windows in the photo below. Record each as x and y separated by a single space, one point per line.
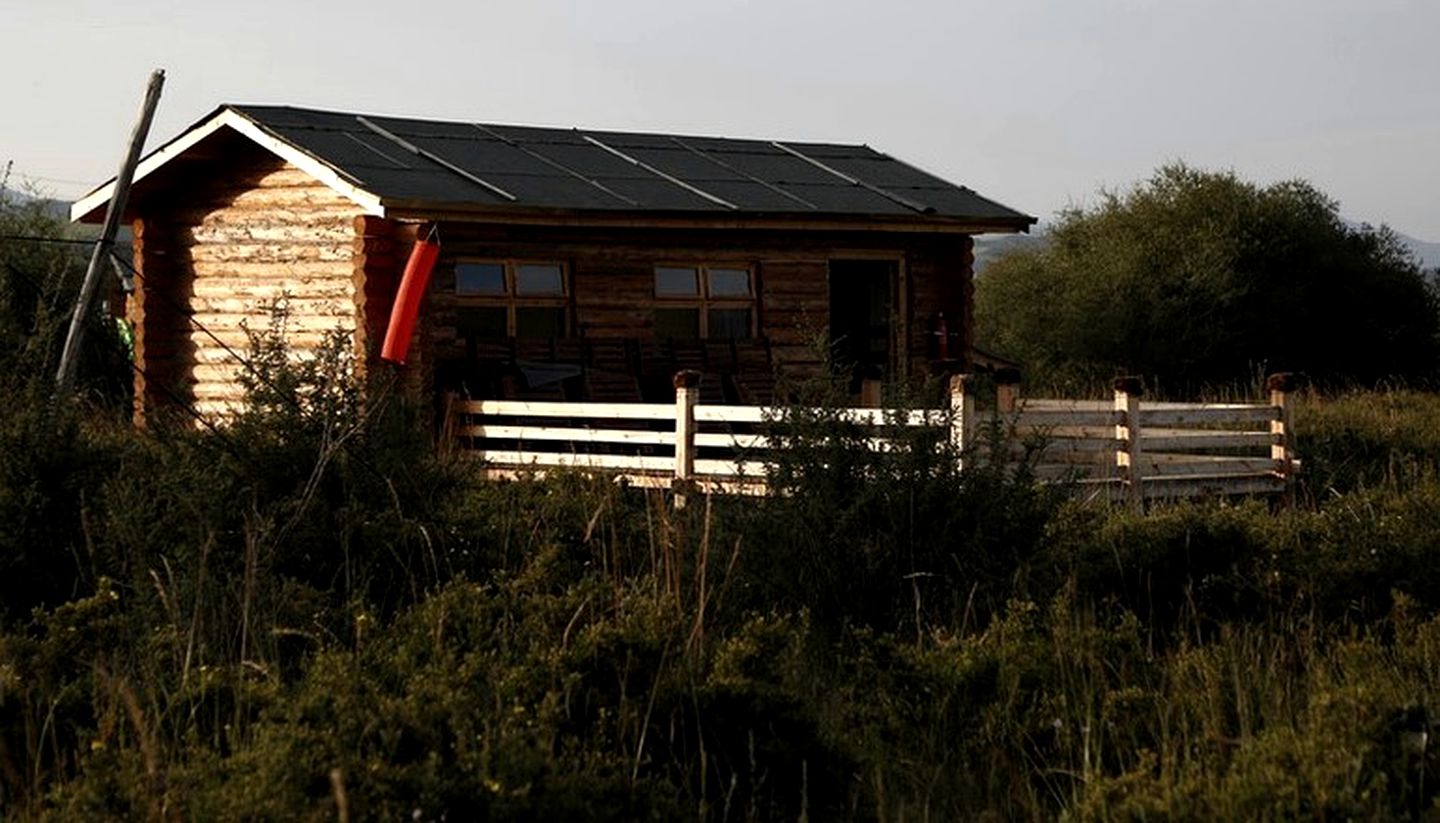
527 299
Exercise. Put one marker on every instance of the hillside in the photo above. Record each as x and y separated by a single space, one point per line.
990 247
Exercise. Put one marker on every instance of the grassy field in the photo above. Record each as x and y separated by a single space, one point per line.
307 618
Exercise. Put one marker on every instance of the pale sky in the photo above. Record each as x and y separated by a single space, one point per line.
1035 103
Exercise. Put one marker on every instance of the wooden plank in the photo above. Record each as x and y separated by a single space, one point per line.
733 441
1206 486
1202 465
567 434
579 461
1175 440
1030 418
1043 404
1100 432
611 411
1066 472
1202 415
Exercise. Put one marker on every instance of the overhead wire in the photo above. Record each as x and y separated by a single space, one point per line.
199 326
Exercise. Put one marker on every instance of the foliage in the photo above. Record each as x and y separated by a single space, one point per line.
310 614
42 264
1196 278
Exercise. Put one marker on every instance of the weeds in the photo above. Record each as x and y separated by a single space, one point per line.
314 616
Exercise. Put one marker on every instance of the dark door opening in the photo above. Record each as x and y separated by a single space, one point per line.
861 338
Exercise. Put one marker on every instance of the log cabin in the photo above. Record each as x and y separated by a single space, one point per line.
574 264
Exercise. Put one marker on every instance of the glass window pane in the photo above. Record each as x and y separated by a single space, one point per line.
729 282
729 323
676 281
480 278
539 279
481 322
677 324
539 321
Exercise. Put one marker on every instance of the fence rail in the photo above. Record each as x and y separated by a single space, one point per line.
1125 449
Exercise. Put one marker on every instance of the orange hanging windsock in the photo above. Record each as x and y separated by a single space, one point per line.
407 299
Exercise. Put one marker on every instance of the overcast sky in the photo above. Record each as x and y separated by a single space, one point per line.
1036 103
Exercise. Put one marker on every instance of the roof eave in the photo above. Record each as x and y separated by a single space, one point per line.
90 208
424 210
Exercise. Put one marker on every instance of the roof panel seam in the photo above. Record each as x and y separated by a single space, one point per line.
437 159
556 165
658 173
855 181
721 163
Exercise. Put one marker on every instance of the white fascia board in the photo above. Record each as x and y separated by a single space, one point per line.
229 118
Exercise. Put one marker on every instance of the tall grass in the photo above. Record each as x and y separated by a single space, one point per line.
301 617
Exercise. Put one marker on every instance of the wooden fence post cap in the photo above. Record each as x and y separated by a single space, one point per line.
687 379
1282 381
1007 377
959 380
1130 385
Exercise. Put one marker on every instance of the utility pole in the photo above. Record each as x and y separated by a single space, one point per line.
70 358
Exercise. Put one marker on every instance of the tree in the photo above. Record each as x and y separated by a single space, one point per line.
1197 277
42 261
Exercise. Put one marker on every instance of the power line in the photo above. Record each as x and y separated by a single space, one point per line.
199 326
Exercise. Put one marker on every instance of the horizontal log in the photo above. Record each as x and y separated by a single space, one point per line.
332 288
337 230
272 253
293 323
307 195
299 270
240 342
273 217
297 306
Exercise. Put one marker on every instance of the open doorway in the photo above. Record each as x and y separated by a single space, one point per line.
861 307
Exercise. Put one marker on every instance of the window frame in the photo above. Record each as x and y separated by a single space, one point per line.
511 299
702 301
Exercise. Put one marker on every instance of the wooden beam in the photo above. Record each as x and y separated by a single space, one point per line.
70 357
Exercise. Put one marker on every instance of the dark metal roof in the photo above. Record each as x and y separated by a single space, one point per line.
466 165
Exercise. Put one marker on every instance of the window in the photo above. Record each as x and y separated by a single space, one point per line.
712 302
511 299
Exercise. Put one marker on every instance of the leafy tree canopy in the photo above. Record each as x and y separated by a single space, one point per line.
1196 277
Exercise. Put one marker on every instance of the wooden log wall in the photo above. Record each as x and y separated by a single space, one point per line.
612 282
242 231
219 258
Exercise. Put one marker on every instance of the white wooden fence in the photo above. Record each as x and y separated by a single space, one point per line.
1125 449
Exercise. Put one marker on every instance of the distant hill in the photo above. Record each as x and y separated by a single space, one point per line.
1427 253
990 247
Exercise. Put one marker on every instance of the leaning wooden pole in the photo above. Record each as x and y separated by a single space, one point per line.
70 357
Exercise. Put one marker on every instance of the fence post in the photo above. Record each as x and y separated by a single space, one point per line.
1007 390
1282 429
687 393
962 414
1128 453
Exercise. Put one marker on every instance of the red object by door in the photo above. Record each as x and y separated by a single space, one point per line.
407 300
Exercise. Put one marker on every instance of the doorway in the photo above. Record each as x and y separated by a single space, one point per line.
861 307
